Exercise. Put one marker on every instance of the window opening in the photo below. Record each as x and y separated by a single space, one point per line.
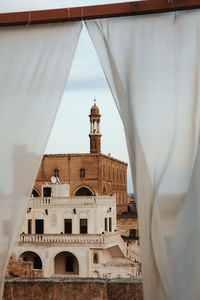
46 192
83 226
110 224
68 225
56 172
39 226
106 224
95 258
82 173
29 226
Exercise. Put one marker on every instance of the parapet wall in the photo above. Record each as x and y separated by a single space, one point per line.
73 289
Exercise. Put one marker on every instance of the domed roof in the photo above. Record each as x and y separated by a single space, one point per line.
94 110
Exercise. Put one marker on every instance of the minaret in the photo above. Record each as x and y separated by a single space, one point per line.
95 135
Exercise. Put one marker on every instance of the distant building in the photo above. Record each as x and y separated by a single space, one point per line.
86 174
70 228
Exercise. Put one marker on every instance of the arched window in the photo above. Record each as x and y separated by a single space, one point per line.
95 258
82 173
83 191
56 173
34 193
95 274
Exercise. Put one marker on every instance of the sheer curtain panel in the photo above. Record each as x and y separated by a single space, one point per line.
34 64
152 67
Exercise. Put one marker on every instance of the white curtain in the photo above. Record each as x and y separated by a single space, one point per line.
152 66
34 64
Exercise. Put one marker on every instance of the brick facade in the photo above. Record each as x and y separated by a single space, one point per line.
103 175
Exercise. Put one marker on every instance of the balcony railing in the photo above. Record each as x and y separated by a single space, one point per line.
93 240
71 201
61 238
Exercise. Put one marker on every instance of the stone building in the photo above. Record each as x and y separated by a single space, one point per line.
22 268
70 227
75 236
86 174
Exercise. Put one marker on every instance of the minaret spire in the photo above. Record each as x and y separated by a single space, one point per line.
95 135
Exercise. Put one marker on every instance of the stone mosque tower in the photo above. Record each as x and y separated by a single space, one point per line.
85 174
95 135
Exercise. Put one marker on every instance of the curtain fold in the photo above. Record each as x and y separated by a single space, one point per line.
35 61
152 67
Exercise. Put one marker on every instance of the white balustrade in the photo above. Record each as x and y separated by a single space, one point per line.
61 238
96 240
71 201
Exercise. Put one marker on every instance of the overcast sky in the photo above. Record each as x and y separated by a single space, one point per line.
86 82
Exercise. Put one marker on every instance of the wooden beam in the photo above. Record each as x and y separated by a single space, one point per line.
96 11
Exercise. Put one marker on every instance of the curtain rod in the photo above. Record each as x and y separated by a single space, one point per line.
96 11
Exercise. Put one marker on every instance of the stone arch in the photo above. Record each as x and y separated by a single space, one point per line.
95 274
83 191
35 193
66 263
33 257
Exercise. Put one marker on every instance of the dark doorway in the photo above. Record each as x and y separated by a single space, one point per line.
83 226
37 264
83 191
39 226
68 225
69 264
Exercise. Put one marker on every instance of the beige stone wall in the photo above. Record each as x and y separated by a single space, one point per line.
104 175
66 289
127 223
